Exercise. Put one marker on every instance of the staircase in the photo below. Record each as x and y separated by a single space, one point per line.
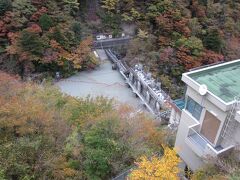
230 123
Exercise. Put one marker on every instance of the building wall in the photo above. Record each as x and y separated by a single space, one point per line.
236 135
207 105
184 151
187 120
234 138
216 107
175 116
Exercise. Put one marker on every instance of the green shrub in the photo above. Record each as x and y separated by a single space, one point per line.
213 41
2 174
58 36
103 147
25 7
71 6
235 175
76 28
193 43
45 22
4 6
111 21
74 164
203 2
31 42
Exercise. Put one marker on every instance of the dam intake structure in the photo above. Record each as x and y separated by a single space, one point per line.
144 86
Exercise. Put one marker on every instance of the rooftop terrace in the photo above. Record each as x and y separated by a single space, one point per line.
222 80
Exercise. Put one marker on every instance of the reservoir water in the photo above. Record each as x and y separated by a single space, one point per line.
102 81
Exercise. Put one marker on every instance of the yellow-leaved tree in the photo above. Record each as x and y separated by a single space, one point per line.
155 168
142 34
110 5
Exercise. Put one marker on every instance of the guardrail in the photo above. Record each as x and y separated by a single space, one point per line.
123 175
201 146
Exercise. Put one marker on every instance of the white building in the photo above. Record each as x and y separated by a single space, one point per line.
210 120
175 116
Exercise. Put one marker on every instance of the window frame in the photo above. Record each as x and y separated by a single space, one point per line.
194 108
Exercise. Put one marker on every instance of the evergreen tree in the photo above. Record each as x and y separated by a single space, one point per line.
4 6
213 40
31 42
45 22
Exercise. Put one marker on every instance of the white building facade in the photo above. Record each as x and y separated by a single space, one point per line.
210 121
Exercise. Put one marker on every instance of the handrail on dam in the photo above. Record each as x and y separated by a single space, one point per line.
144 86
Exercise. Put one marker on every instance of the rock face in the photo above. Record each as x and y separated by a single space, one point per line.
129 29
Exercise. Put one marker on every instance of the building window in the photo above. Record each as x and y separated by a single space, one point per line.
194 108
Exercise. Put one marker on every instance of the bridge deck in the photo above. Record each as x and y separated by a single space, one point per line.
108 43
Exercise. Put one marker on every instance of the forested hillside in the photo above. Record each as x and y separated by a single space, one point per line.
47 135
177 35
43 36
171 36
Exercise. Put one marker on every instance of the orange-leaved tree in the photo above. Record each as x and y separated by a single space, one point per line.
154 168
81 54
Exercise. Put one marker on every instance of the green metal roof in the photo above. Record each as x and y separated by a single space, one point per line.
222 80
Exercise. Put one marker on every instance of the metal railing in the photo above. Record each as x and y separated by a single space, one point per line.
229 124
123 175
203 146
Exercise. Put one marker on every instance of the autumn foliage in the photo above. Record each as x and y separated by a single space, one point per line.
154 168
28 30
196 32
45 134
